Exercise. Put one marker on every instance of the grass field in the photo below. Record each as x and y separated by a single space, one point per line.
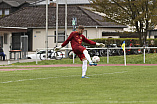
131 59
64 85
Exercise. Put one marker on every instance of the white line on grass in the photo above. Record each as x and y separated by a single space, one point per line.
59 77
107 102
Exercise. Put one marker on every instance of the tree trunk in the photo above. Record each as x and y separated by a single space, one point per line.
140 38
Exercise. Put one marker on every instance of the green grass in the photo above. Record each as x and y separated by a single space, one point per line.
64 85
131 59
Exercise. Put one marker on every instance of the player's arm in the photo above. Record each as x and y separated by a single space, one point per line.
92 42
84 39
65 42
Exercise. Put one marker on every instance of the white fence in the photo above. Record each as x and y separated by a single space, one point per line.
144 52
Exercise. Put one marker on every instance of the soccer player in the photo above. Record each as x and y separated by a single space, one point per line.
76 39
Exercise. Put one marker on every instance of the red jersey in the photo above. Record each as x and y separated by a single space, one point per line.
76 40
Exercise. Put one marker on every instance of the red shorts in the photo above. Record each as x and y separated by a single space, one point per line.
78 50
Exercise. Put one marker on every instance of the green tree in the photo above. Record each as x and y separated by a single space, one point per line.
141 14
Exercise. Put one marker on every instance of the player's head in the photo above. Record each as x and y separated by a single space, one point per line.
80 29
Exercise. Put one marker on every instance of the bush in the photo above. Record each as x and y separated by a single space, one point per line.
119 41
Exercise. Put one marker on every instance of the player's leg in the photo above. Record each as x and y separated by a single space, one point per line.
84 65
85 52
84 68
82 50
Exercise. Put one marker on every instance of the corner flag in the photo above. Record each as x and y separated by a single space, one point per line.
123 45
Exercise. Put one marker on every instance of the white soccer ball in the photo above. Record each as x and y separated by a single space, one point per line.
95 59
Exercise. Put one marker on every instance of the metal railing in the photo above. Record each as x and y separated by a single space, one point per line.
144 51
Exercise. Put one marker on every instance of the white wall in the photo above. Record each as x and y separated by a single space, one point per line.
6 47
151 37
39 38
91 33
155 27
110 37
112 29
39 35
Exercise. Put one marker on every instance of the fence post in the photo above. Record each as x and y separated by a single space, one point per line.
144 55
107 55
18 57
36 57
73 58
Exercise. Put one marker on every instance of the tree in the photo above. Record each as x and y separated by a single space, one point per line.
142 14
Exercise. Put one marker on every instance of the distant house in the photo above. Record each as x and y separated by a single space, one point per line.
33 20
152 34
9 6
120 35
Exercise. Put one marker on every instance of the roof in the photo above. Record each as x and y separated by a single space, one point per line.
74 2
16 3
34 17
100 19
43 2
13 29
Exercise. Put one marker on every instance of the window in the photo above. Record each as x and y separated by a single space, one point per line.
61 36
6 12
0 12
38 31
153 32
5 38
1 41
85 33
51 1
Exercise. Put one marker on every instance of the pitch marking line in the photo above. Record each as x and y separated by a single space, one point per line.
109 102
60 77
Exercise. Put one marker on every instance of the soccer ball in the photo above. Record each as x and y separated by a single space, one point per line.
95 59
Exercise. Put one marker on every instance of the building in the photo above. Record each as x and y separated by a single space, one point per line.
152 34
69 2
9 6
31 21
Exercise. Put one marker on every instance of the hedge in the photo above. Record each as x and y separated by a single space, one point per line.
119 41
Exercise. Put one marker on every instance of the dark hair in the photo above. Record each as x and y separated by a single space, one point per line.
81 27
